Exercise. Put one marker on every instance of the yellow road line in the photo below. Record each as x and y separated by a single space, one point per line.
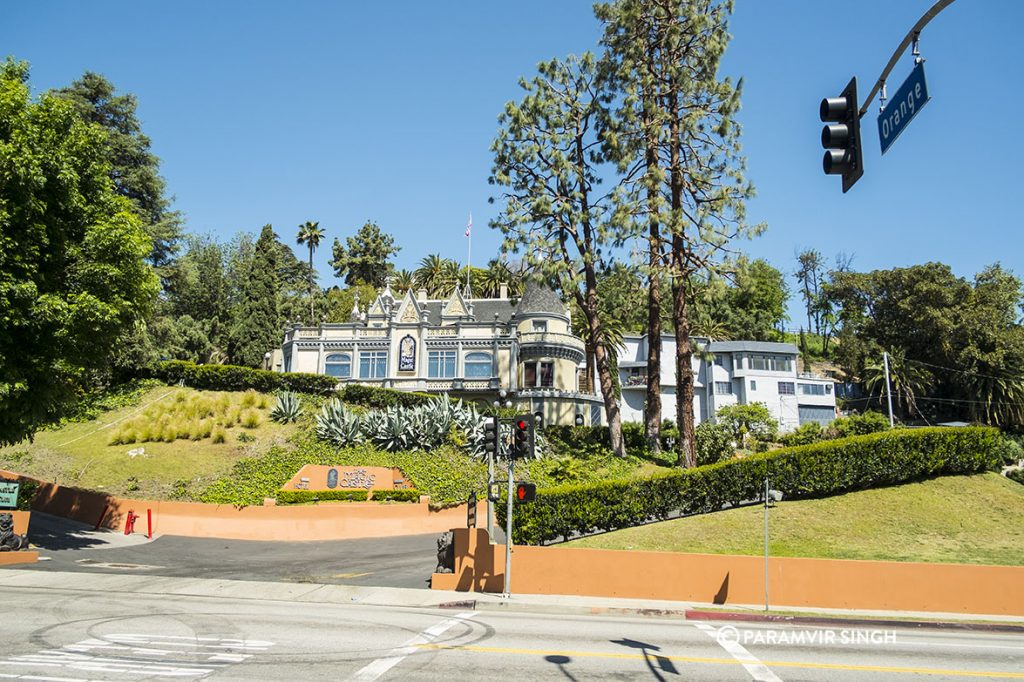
352 575
731 661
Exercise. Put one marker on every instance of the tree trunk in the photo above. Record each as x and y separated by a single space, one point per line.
684 371
652 425
588 305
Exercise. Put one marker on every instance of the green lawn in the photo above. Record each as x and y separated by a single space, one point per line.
959 519
81 454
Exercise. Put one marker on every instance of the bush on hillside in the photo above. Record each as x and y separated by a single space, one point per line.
714 443
748 422
308 496
377 398
859 425
805 434
1011 451
1016 475
235 378
818 470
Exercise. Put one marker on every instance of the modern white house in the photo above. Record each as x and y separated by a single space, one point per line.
474 348
727 373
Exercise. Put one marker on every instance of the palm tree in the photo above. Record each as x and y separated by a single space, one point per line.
491 279
906 379
402 281
428 274
310 234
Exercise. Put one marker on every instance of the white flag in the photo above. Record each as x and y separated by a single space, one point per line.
469 225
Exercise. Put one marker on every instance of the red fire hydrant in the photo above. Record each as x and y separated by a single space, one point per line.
129 524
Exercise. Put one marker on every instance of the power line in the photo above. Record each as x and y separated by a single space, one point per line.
954 369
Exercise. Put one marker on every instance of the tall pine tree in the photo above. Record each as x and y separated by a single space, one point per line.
256 328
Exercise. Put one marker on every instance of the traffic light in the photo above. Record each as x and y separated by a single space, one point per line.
525 492
522 436
841 140
491 435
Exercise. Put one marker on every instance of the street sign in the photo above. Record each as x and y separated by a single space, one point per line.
9 494
903 107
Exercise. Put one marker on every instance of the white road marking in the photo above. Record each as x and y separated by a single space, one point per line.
208 655
382 665
758 670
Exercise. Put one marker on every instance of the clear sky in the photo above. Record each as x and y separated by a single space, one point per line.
342 112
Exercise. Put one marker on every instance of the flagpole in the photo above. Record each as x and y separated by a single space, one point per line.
469 251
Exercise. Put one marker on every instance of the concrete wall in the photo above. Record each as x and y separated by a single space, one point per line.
316 522
725 579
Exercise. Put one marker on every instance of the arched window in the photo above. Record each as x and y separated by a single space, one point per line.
338 365
479 366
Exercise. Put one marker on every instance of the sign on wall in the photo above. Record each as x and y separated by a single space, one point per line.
407 354
9 494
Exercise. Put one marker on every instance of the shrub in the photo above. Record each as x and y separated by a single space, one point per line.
398 495
26 493
1016 475
748 421
378 398
234 378
219 435
808 433
1011 451
307 496
714 443
859 425
817 470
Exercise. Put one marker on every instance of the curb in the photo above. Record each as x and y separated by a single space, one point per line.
694 614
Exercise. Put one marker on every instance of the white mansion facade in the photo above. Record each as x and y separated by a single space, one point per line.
476 348
741 372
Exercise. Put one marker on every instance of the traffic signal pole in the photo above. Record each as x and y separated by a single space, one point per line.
508 531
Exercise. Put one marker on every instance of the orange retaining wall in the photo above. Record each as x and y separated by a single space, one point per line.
726 579
318 522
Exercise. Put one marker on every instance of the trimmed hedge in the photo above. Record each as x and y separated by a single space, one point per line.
306 496
235 378
398 495
378 398
817 470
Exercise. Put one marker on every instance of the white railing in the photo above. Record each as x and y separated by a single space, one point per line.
552 338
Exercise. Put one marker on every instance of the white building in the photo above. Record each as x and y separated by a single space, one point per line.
742 372
468 347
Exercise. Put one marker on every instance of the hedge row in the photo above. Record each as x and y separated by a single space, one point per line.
235 378
817 470
307 496
377 398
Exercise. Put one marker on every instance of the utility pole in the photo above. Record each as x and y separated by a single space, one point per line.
508 530
888 387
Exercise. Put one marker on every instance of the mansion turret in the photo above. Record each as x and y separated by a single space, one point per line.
467 347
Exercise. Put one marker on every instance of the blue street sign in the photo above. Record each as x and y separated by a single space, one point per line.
903 107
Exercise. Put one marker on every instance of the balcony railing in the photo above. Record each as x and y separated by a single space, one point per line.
551 339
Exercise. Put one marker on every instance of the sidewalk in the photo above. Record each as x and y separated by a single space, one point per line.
532 603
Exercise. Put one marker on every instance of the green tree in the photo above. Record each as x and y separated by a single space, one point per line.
665 55
547 159
748 422
134 169
73 270
310 234
366 257
257 325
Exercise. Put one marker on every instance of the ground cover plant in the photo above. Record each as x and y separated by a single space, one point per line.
956 519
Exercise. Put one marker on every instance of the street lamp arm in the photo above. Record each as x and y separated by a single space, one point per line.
911 35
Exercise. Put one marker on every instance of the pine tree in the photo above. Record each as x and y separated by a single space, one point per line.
256 329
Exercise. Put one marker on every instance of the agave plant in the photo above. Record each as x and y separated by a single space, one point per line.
336 425
393 432
287 409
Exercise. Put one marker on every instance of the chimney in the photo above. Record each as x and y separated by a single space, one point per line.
502 290
421 295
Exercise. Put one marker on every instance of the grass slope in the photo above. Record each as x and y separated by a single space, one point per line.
958 519
81 454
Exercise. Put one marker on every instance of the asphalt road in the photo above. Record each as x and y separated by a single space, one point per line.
75 634
401 561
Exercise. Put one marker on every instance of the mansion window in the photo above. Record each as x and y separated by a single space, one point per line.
771 363
786 388
479 366
540 325
441 364
338 365
815 389
723 388
539 374
373 364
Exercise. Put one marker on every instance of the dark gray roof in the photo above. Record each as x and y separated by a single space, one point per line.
483 310
753 347
538 298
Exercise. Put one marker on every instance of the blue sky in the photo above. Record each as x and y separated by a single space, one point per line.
270 112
